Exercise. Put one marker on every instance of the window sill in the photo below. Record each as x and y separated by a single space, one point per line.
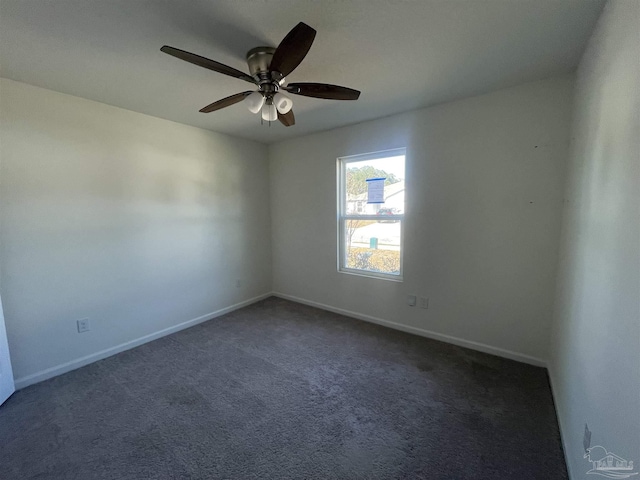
376 276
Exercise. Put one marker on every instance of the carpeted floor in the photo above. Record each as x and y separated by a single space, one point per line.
280 390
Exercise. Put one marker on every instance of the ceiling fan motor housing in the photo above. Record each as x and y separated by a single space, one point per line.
259 60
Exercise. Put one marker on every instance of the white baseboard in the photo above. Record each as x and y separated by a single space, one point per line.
461 342
565 446
94 357
81 362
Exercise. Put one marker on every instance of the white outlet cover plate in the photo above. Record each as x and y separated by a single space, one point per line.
83 325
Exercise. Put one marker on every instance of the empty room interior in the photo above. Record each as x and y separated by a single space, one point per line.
290 239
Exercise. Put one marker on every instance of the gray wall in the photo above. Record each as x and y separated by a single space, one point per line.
137 223
484 200
595 362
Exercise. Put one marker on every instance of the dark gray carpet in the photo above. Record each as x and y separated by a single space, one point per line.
280 390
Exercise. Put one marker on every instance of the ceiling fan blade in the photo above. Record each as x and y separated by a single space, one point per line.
207 63
323 90
292 49
287 119
225 102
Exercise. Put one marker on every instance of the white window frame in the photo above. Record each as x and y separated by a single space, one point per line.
342 216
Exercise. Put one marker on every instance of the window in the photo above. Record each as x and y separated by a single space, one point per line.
371 195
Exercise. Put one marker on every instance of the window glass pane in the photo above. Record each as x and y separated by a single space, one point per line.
391 170
373 246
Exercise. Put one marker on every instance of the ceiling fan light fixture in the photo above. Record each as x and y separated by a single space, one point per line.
254 102
269 112
282 103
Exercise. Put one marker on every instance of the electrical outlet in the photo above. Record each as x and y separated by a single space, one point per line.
424 302
411 300
238 283
83 325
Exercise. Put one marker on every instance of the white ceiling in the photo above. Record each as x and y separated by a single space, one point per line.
401 54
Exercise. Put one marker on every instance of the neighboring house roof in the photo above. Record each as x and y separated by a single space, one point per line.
393 189
389 191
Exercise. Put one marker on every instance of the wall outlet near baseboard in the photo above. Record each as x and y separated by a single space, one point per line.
424 302
238 283
83 325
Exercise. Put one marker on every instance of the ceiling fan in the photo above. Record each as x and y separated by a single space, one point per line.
268 68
